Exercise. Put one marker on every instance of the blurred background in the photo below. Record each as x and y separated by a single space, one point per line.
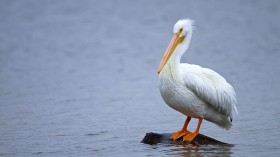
79 78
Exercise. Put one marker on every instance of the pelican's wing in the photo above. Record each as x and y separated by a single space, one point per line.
210 87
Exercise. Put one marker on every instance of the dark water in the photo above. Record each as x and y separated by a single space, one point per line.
79 78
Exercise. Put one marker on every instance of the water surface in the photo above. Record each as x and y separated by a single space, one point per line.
80 78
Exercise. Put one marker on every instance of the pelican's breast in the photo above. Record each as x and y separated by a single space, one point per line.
178 96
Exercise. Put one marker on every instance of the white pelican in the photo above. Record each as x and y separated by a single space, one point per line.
192 90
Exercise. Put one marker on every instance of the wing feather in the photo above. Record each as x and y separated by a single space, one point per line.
210 87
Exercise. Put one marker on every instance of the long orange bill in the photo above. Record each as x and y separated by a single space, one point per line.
171 47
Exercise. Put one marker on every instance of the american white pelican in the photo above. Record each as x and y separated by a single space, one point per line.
192 90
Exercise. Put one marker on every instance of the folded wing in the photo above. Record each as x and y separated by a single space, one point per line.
210 87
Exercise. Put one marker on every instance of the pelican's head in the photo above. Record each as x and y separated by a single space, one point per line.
180 41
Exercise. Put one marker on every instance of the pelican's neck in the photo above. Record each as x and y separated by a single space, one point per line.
172 67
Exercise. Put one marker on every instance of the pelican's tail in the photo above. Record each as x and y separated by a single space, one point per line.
219 119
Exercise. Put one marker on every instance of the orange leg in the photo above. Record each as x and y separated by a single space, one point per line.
182 132
191 136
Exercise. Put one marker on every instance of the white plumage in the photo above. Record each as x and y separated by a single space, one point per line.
192 90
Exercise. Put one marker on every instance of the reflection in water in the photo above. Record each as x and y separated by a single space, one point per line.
198 151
